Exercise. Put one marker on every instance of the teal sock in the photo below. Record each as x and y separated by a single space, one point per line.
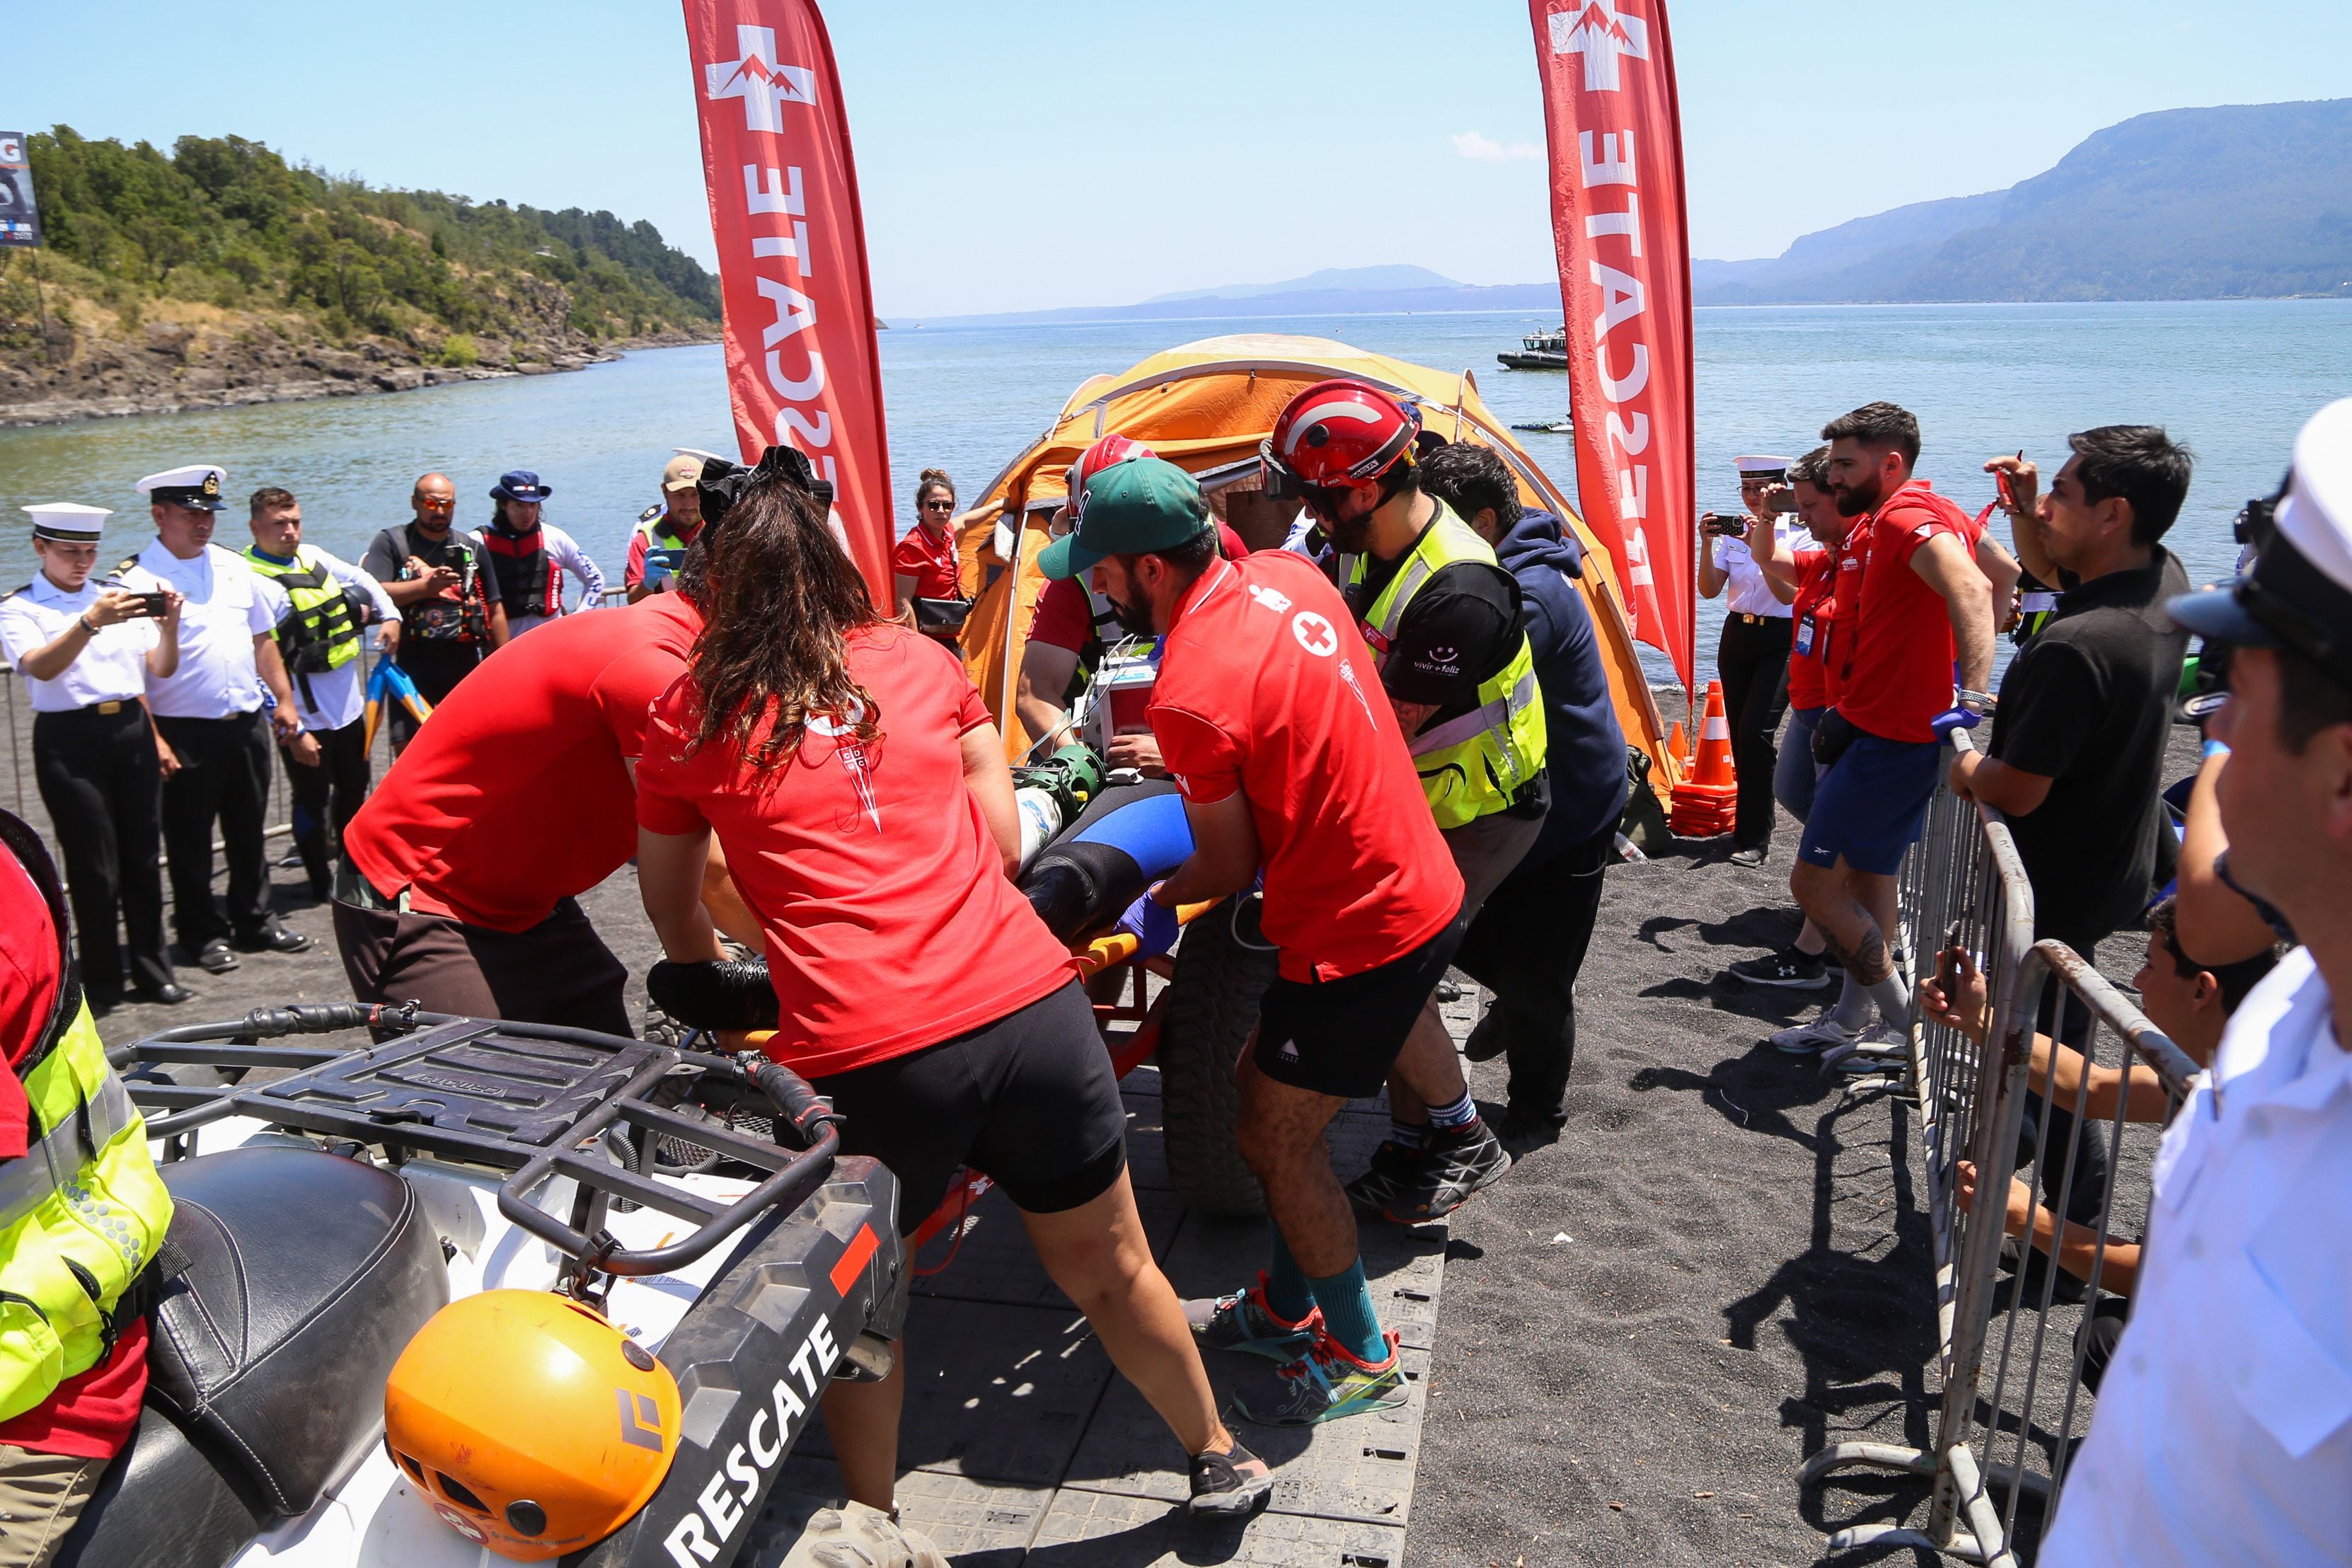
1286 1290
1347 1314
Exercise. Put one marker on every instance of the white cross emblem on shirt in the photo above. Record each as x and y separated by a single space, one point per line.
764 87
1599 32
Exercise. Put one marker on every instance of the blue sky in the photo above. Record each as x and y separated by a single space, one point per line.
1052 152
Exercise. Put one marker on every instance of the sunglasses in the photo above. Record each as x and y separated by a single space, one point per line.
939 506
434 503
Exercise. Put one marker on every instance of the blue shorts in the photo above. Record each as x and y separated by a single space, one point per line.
1872 803
1795 775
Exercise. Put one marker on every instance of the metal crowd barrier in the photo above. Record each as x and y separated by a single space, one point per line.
2004 1440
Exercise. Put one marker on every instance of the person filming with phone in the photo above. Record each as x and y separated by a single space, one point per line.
86 649
1752 657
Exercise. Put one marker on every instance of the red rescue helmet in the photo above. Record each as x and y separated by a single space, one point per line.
1333 437
1110 449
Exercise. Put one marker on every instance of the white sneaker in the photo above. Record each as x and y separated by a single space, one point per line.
855 1536
1880 1049
1821 1034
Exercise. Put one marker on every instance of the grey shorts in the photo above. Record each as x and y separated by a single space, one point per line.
41 1496
1485 851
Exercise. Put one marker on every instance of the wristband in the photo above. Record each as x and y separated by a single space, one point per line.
82 621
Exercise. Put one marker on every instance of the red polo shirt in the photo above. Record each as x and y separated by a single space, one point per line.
91 1415
1812 614
930 560
889 922
1895 673
516 794
1266 688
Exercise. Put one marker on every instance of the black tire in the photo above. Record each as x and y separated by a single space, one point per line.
1211 1008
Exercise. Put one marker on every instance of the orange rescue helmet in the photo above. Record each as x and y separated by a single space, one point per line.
530 1422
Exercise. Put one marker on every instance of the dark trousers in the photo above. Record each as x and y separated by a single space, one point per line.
326 795
558 971
2056 1126
1525 946
1753 661
98 777
223 776
436 667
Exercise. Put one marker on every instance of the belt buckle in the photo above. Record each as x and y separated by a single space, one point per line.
115 707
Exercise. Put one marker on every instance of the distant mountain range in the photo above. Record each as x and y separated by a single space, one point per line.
2251 201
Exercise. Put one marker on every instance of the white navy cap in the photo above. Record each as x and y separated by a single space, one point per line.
1766 469
197 485
2298 593
69 522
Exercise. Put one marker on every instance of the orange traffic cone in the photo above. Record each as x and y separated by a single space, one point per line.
1706 803
1677 744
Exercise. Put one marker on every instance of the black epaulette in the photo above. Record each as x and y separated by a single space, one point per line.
125 564
20 588
650 513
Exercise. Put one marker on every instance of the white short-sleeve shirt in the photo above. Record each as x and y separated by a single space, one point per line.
1746 592
2223 1430
334 697
110 667
225 611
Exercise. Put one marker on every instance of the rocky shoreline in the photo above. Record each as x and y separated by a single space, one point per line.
172 367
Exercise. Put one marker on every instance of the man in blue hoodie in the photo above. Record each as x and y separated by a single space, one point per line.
1528 940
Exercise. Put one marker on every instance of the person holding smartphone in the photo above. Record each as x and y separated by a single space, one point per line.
86 649
1753 656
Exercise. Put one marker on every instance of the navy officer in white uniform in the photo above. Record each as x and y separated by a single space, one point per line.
211 738
86 650
2223 1432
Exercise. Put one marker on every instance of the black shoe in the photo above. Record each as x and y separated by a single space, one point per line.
1456 1162
1445 991
1797 971
274 938
1393 1169
214 958
1230 1484
1753 855
1522 1130
169 995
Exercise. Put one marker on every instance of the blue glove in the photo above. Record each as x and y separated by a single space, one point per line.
1152 923
1952 719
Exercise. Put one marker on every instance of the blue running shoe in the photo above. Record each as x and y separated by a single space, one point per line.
1242 1322
1327 1383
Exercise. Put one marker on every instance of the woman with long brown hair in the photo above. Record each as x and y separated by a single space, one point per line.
859 789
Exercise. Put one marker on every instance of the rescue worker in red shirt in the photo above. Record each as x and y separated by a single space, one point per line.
1447 631
859 787
1075 625
1291 765
1922 611
923 564
86 1214
463 871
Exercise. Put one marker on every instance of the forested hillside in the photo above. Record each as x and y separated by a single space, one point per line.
221 273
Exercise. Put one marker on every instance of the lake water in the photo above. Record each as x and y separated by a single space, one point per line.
2235 380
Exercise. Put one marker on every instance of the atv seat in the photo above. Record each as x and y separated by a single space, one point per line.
306 1276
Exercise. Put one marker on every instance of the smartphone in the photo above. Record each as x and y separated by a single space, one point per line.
1780 501
153 605
1947 962
2001 488
1723 526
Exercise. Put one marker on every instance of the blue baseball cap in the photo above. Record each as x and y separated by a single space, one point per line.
521 484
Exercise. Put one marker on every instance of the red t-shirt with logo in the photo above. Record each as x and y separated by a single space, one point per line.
930 560
890 924
1265 688
1812 615
1895 673
1065 615
91 1415
516 794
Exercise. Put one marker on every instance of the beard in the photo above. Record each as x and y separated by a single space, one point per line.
1133 620
1854 500
1352 537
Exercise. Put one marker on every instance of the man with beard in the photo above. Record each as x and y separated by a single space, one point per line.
452 617
1923 606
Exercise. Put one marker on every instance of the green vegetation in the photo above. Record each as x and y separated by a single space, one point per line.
227 223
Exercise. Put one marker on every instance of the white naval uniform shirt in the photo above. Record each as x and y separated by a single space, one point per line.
341 692
225 611
1747 593
110 667
2223 1431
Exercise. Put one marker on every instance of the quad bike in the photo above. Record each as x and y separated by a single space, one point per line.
342 1172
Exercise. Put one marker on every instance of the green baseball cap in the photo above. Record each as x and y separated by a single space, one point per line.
1130 509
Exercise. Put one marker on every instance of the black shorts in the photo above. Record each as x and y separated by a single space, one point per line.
1030 1100
1341 1036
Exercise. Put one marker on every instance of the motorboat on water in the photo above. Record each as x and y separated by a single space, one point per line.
1540 350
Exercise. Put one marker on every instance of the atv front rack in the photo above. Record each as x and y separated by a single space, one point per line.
536 1100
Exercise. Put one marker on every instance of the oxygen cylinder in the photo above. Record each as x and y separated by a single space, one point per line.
1041 818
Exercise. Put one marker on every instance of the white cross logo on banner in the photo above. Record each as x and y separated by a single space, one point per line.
1599 32
763 85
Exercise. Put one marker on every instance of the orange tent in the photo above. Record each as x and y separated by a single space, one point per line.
1205 406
